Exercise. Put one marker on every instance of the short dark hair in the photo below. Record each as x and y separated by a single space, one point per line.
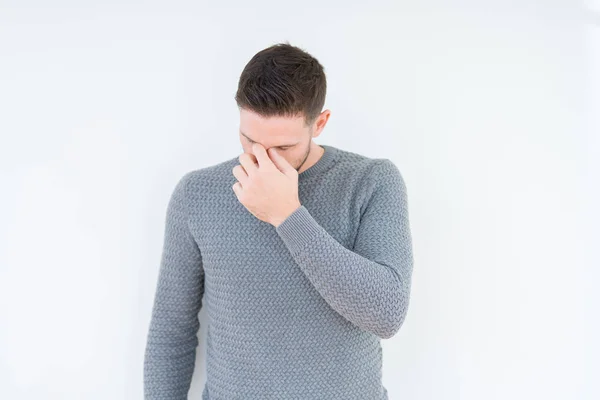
283 80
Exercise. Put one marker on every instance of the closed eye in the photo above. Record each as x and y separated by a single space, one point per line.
282 148
278 148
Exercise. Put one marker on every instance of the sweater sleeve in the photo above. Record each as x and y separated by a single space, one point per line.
172 337
370 284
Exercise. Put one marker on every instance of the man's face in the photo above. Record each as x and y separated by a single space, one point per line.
288 135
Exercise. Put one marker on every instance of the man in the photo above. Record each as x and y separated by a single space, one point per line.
302 251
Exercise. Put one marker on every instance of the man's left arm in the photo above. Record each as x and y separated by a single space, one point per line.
369 285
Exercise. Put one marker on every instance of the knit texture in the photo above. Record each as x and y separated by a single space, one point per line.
295 312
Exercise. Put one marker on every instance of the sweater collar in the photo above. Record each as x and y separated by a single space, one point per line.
327 160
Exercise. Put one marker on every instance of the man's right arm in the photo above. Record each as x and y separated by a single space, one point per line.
170 352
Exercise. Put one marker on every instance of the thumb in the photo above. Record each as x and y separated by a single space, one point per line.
280 162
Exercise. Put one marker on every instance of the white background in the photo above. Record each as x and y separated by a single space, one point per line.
490 109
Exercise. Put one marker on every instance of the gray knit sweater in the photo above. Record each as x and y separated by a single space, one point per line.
294 312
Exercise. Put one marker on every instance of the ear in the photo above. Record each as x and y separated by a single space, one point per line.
320 123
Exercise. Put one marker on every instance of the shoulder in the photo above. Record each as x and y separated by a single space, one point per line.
371 179
369 166
372 172
387 172
194 186
380 184
386 179
214 174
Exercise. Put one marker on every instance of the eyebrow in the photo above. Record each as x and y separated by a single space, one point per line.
282 145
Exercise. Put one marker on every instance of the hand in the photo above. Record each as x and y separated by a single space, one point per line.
268 188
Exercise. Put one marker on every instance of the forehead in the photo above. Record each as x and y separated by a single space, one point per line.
256 127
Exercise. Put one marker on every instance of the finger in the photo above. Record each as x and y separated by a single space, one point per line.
261 156
237 189
240 173
253 157
247 161
280 162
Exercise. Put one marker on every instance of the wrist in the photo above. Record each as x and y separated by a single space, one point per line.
280 219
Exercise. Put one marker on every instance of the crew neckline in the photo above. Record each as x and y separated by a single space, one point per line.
327 159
